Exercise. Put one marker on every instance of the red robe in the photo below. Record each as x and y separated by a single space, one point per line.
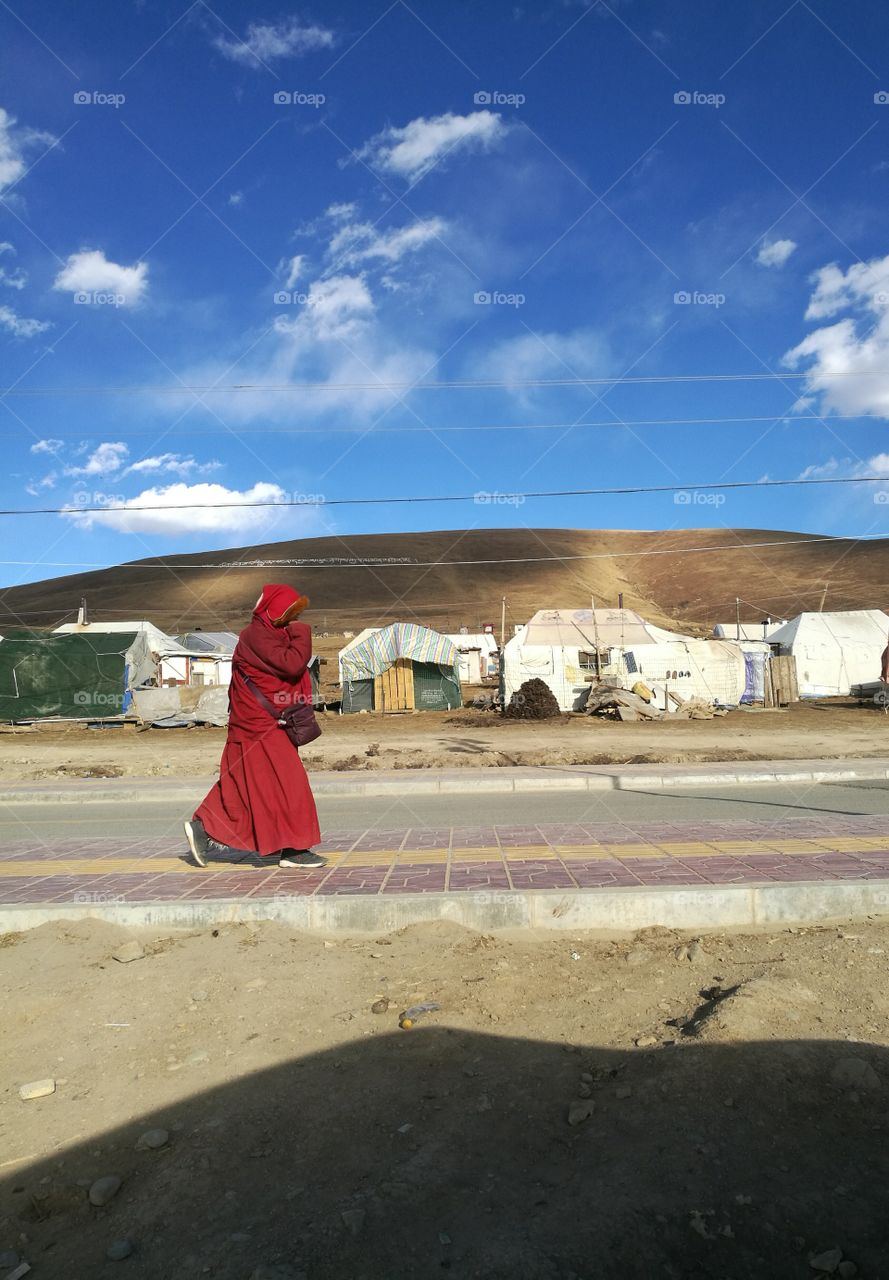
263 801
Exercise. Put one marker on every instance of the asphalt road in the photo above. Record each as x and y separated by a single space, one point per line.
133 820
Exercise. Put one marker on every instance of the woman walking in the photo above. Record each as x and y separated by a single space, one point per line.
262 801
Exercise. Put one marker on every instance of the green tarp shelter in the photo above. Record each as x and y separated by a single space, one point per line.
72 677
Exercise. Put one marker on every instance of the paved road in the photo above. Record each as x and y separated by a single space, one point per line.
762 804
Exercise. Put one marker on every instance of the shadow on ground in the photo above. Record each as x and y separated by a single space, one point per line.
450 1152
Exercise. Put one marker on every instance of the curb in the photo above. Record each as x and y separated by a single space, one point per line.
604 910
527 778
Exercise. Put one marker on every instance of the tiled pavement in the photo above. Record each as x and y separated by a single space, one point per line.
461 860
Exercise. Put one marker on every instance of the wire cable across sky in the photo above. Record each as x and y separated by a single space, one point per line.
482 497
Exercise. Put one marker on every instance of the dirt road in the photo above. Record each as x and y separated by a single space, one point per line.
834 729
578 1108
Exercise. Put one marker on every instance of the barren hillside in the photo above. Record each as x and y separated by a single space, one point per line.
355 581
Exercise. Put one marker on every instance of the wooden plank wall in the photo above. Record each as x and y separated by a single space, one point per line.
394 689
781 684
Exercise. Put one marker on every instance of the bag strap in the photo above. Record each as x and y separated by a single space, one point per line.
260 697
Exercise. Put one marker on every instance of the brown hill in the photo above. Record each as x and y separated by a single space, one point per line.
687 576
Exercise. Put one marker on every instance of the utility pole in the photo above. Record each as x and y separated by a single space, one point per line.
81 613
502 623
596 637
737 618
823 597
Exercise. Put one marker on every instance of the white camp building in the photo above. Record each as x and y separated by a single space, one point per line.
834 651
569 648
478 656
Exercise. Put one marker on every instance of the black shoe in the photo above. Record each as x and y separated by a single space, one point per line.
301 858
198 840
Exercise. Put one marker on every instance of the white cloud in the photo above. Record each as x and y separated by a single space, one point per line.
266 41
848 360
15 143
47 446
293 267
775 253
236 198
334 308
339 212
89 271
172 463
580 353
108 458
15 279
207 508
412 150
20 326
865 283
360 242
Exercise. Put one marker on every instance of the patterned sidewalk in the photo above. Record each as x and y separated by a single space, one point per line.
460 860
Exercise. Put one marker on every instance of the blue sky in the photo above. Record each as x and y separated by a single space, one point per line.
354 195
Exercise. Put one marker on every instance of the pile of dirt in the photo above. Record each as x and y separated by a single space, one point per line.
533 701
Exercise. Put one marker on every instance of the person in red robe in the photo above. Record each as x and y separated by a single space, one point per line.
263 802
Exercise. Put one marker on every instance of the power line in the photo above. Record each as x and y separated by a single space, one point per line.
380 565
382 429
468 384
481 497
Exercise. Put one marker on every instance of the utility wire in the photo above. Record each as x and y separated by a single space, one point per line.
468 384
481 497
380 564
383 429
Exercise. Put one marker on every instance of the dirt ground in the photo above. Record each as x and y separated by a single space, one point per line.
834 729
579 1108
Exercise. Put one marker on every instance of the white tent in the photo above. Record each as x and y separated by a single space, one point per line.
834 651
569 648
749 630
478 656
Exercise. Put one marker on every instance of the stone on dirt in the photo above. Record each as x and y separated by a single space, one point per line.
827 1262
129 952
579 1110
646 1042
153 1140
380 1006
36 1089
119 1249
104 1189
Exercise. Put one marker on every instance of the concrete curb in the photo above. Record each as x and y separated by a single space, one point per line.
756 906
528 778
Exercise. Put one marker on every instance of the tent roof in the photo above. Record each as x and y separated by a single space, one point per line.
375 649
578 628
850 626
208 641
480 640
749 630
158 641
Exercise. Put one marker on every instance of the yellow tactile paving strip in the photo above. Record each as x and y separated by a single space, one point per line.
402 858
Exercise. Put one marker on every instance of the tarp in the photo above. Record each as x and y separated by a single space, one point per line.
167 708
373 652
69 676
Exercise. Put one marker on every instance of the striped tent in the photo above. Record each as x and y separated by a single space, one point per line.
373 652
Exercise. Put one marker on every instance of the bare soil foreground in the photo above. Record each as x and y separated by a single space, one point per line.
834 728
578 1108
